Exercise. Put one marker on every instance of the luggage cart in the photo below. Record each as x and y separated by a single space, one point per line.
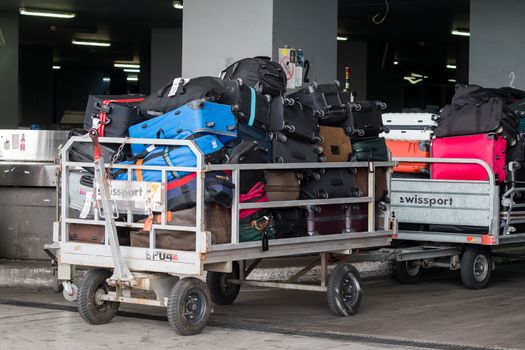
126 274
494 223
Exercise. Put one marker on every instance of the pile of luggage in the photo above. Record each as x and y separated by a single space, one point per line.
244 116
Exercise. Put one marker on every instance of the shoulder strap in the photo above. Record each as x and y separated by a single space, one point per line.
138 172
166 156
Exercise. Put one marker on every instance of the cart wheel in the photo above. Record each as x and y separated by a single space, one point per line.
92 308
56 284
189 306
344 290
222 292
73 296
476 268
407 272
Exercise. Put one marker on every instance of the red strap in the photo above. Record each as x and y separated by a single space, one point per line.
182 181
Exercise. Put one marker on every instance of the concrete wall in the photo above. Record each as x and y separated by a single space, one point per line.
310 25
217 33
497 44
166 56
354 55
9 113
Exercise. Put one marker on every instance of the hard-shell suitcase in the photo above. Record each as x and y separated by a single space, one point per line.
288 150
196 117
290 118
217 221
410 121
381 187
182 193
394 134
282 185
330 183
247 152
181 91
261 73
213 149
84 233
336 144
367 119
289 223
327 219
410 149
112 115
247 133
490 148
370 150
324 100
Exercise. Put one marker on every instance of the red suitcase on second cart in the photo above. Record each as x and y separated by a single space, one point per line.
488 147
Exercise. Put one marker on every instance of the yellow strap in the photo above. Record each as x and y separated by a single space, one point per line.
138 172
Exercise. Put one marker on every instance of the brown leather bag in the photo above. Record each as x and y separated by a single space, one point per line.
336 144
95 234
282 185
381 189
217 219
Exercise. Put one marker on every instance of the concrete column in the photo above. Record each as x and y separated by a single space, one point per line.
166 55
9 99
215 36
497 46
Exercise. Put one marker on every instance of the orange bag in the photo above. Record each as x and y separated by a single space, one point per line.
410 149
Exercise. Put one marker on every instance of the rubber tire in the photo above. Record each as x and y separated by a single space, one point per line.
176 306
402 274
333 294
90 312
467 265
219 294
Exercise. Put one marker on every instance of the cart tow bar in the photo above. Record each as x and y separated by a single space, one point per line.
121 274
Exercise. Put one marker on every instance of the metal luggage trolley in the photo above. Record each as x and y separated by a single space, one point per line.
122 274
494 223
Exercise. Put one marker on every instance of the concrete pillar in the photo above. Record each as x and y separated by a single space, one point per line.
215 36
497 46
166 55
9 99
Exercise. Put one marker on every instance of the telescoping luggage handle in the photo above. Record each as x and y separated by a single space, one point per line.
103 119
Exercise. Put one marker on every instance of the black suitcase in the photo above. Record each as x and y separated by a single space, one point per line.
83 151
289 223
290 118
261 73
288 150
247 152
366 116
247 133
325 100
245 101
370 150
330 183
112 115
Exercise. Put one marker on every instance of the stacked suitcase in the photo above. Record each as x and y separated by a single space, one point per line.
245 117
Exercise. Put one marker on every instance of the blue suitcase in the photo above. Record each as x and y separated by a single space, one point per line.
197 116
213 149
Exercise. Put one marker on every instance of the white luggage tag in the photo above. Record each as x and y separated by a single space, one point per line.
87 206
177 82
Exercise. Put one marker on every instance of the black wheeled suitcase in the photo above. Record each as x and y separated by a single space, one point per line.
330 183
247 152
247 133
288 150
289 223
290 118
366 116
113 115
370 150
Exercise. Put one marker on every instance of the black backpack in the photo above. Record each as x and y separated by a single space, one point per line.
209 88
261 73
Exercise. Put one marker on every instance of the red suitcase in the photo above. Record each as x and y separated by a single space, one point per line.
488 147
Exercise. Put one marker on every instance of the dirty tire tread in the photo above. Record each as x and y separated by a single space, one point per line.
175 307
467 261
402 276
213 280
92 279
334 281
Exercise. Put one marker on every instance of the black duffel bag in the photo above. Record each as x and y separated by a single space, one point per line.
169 98
475 110
261 73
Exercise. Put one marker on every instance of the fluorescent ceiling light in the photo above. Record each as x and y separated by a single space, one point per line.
106 79
56 67
90 43
127 65
452 80
460 32
178 4
396 63
415 75
132 78
413 80
451 66
46 13
342 37
131 70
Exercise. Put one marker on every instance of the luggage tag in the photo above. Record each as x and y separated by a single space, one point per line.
87 205
177 82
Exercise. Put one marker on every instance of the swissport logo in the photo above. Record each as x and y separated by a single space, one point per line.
426 201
